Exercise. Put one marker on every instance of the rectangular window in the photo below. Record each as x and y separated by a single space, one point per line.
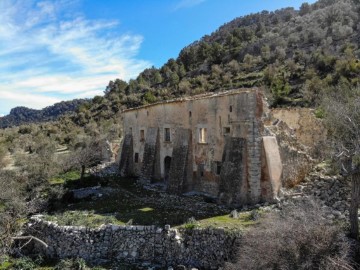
226 130
202 135
218 168
136 159
142 135
201 169
167 134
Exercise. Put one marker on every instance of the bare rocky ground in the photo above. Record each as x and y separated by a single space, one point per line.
331 191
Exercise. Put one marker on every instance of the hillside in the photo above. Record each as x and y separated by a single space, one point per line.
23 115
67 203
296 55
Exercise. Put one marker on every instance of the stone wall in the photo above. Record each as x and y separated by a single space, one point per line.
202 248
308 129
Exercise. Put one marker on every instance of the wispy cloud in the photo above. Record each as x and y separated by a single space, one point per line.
187 4
48 49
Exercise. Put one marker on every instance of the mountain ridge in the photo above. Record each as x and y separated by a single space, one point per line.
23 115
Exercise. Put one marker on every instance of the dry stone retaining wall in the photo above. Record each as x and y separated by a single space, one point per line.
202 248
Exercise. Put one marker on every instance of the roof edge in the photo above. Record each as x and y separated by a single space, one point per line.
196 97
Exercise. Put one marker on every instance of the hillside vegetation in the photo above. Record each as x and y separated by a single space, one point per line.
23 115
296 56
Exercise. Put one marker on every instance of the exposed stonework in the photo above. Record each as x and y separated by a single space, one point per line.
209 143
308 129
202 248
297 163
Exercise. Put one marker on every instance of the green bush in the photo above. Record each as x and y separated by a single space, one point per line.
24 263
72 264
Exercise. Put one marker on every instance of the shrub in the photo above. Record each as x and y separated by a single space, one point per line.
298 237
71 264
24 263
191 223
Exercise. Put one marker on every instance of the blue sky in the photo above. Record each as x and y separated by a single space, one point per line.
64 49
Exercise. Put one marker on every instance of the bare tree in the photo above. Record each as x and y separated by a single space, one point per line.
343 120
12 207
86 154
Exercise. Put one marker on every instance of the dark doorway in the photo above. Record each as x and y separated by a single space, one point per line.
167 164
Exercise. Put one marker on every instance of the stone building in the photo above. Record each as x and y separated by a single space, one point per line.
213 144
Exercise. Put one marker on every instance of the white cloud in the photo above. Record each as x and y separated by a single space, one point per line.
187 4
48 49
37 101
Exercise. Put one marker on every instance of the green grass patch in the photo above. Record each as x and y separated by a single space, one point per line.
244 221
2 206
146 209
5 265
82 218
65 177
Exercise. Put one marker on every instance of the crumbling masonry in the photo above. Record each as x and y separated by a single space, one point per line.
213 144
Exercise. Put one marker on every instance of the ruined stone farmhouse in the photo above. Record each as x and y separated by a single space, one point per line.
212 144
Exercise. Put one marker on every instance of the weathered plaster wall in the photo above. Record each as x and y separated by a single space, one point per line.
196 162
308 129
202 248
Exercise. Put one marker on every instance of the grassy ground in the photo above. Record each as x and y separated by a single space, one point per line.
63 178
130 204
244 221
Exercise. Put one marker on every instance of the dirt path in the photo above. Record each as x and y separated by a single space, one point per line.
9 161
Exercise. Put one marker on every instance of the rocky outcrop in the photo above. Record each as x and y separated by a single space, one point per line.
202 248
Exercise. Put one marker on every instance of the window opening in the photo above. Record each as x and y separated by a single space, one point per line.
167 135
202 135
218 168
142 135
136 158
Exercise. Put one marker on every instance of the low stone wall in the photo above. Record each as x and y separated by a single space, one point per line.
202 248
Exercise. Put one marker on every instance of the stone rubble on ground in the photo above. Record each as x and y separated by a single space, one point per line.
333 192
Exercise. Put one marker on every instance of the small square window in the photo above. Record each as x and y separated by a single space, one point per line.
226 130
142 135
136 159
167 135
202 135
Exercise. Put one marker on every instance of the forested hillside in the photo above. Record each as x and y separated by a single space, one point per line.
296 55
23 115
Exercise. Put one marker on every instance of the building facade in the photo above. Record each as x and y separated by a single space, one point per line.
211 143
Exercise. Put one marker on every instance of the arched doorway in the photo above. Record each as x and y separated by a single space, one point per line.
167 164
